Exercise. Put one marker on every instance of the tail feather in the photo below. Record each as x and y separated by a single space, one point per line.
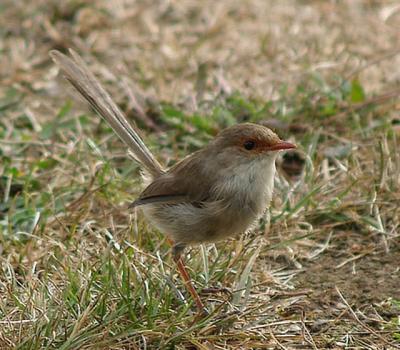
79 75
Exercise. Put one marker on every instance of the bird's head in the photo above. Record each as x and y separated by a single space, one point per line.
248 142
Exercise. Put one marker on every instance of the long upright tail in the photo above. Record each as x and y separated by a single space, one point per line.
79 75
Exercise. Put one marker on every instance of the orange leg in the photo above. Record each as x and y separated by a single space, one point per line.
188 283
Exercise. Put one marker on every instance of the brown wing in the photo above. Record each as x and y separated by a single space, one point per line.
187 181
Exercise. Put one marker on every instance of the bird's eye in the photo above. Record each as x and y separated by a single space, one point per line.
249 145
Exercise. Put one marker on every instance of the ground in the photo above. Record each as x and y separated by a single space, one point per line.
79 270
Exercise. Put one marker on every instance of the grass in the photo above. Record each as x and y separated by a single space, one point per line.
79 270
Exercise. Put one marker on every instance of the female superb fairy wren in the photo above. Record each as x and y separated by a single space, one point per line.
212 194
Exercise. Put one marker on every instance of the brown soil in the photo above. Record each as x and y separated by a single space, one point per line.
369 280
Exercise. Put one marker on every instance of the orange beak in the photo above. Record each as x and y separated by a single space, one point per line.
282 145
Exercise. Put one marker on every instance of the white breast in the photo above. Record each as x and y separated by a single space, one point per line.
251 184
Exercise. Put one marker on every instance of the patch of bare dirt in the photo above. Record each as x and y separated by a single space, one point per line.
355 298
371 279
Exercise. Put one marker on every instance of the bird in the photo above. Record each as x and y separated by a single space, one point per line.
214 193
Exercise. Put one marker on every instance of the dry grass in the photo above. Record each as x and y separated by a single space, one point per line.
78 270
